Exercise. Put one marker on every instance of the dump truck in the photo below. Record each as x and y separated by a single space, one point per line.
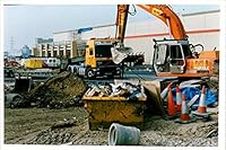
97 61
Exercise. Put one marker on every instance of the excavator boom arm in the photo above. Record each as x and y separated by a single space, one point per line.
163 12
121 21
169 17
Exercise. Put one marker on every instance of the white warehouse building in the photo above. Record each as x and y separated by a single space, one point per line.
201 28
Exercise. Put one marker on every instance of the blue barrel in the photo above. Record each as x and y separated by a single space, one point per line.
123 135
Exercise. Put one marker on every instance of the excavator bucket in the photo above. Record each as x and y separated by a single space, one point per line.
117 56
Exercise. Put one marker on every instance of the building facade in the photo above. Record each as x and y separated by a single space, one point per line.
201 28
61 49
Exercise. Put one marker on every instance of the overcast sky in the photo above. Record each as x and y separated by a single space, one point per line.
22 24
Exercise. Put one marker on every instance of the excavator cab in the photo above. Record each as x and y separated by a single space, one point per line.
171 55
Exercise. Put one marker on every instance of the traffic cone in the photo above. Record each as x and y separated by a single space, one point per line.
184 117
170 103
178 99
201 111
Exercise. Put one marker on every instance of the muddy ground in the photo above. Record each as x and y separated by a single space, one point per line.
43 126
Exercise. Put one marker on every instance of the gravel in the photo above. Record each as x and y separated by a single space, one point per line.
160 133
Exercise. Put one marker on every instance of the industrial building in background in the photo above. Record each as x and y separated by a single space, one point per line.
139 36
64 44
61 49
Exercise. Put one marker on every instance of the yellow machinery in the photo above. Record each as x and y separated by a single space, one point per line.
33 63
98 59
105 110
98 50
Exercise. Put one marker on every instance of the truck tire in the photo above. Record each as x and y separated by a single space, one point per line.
120 75
90 74
75 71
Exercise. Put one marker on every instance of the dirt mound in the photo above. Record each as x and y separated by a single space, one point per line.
63 90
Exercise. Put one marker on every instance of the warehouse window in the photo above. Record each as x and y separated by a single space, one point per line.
49 54
61 53
54 53
47 45
68 53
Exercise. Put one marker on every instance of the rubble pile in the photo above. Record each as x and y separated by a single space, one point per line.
61 91
127 90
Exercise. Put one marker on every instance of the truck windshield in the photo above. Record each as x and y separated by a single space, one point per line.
103 50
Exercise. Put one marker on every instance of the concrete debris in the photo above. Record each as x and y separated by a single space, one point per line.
65 123
125 89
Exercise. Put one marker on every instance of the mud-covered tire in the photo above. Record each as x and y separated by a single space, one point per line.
90 74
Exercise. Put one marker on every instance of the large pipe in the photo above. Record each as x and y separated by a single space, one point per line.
123 135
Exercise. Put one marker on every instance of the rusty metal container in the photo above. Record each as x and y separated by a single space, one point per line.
103 111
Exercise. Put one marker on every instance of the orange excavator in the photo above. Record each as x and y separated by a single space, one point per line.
174 57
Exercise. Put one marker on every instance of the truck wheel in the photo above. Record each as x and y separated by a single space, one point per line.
75 71
90 74
119 76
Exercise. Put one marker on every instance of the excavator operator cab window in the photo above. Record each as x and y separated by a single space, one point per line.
175 52
177 59
187 51
161 54
169 58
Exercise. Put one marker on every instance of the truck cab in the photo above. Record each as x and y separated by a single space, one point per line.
98 59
